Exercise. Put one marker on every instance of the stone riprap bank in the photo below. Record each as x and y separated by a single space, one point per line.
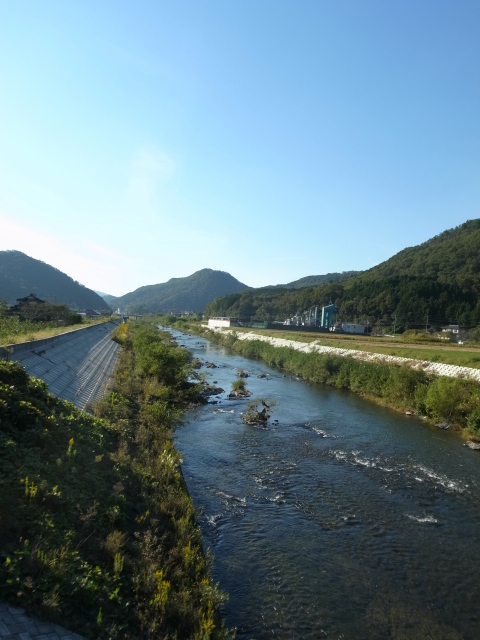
435 368
76 365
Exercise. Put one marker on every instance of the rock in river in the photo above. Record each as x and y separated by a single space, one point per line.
473 445
212 391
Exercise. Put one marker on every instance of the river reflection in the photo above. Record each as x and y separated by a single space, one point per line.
341 520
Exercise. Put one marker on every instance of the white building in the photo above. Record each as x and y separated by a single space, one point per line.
223 322
452 328
353 328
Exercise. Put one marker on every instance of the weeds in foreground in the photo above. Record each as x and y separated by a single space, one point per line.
97 531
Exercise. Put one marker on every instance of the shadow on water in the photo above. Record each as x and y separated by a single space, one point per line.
341 520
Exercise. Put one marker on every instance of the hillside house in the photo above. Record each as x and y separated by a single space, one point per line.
30 307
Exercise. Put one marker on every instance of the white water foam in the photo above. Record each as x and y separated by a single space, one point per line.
442 480
422 520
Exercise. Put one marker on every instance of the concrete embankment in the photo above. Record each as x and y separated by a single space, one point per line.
76 365
436 368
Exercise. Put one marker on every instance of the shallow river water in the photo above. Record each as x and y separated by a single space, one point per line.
341 520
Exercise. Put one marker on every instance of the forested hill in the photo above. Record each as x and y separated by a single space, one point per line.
21 275
180 294
310 281
452 257
436 282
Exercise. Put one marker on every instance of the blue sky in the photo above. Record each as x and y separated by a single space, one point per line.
141 141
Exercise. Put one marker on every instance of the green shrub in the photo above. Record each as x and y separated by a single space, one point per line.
447 399
238 385
402 384
473 422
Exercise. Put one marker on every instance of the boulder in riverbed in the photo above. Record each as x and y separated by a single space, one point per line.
212 391
473 445
238 394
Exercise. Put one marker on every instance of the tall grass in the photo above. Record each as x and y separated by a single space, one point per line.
97 531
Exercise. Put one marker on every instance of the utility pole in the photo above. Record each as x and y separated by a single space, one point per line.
426 326
394 322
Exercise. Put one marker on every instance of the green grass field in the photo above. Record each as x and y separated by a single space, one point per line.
461 355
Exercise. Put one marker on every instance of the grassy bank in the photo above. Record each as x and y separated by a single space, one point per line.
433 351
12 330
97 531
439 399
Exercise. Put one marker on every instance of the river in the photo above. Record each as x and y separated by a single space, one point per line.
340 519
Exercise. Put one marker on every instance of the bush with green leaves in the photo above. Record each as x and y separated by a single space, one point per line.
473 422
97 531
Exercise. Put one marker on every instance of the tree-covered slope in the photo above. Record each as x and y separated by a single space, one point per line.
311 281
20 275
437 282
180 294
452 257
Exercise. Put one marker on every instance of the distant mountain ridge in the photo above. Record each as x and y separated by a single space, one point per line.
432 284
20 275
191 293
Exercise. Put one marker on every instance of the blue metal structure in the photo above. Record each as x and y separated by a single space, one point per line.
328 316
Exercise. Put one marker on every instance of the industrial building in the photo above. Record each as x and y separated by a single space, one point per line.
353 328
312 318
223 322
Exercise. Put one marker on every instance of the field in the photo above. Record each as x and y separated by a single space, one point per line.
460 355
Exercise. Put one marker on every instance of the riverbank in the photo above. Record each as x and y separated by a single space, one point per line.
98 532
450 402
339 518
431 350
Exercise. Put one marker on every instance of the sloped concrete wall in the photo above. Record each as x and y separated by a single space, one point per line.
76 365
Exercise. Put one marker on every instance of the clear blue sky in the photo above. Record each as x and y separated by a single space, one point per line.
145 140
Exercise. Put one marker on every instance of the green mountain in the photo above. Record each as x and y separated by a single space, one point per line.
180 294
311 281
453 257
435 283
21 275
